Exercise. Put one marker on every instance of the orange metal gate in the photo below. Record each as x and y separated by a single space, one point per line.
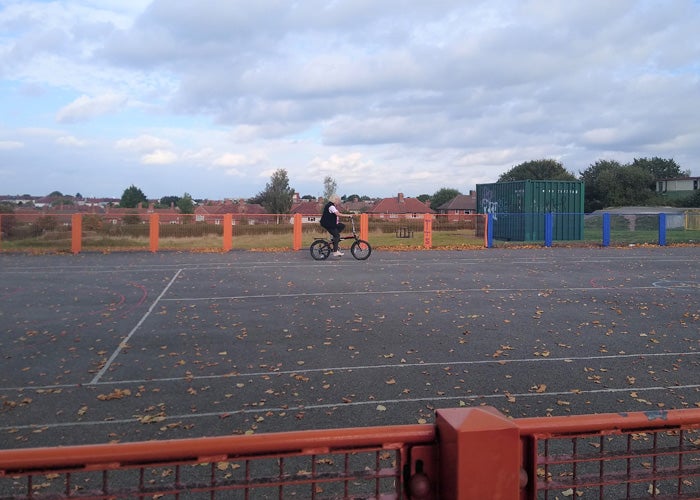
345 463
470 453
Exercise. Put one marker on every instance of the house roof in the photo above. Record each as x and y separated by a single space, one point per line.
460 202
401 205
306 207
356 205
230 207
679 179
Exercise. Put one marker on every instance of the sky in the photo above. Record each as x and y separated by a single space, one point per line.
210 97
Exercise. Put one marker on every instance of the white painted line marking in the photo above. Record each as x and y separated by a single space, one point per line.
125 342
406 292
339 405
340 369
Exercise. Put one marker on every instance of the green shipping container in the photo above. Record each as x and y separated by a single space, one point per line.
518 209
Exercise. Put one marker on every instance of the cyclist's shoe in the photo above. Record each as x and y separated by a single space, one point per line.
338 253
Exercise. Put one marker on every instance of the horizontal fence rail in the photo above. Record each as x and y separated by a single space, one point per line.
345 463
79 232
468 453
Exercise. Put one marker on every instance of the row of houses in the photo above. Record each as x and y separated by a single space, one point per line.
399 206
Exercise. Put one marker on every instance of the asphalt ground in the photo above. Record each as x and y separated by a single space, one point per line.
97 348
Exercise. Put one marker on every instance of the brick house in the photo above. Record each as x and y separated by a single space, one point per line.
459 205
400 207
214 212
680 186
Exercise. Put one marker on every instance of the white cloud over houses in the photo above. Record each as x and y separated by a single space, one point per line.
85 108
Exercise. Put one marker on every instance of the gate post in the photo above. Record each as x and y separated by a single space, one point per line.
548 229
489 230
296 244
364 226
154 231
76 228
228 232
662 229
427 231
606 229
480 454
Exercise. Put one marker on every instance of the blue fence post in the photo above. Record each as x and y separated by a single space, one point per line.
662 229
548 229
606 229
489 231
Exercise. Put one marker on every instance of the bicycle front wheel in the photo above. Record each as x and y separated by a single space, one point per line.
361 250
320 250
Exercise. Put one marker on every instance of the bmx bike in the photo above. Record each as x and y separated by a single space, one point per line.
321 248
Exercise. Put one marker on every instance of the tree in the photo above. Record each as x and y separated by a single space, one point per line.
167 201
329 187
609 184
7 221
131 197
596 179
186 204
442 196
63 200
537 170
691 201
277 196
660 168
423 197
631 186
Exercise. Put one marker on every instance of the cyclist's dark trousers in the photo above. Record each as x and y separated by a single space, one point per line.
335 232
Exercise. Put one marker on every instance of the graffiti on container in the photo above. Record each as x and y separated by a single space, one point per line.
489 205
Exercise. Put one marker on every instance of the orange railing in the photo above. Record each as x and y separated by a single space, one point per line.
469 453
79 232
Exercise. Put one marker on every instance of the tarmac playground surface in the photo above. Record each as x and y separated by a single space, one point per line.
122 347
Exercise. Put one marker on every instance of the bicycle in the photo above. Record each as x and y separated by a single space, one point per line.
321 248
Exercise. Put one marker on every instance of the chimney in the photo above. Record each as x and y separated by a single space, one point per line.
400 198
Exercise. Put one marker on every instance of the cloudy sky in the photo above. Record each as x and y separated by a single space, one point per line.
210 97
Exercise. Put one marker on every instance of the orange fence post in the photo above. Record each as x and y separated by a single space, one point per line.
228 232
480 454
296 244
154 231
364 227
76 225
427 231
486 230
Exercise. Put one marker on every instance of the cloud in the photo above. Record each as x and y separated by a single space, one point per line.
159 157
85 108
383 96
8 145
239 160
69 140
143 143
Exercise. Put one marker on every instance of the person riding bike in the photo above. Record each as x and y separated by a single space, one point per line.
330 221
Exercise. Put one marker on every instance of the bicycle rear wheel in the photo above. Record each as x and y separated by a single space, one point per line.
320 250
360 249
